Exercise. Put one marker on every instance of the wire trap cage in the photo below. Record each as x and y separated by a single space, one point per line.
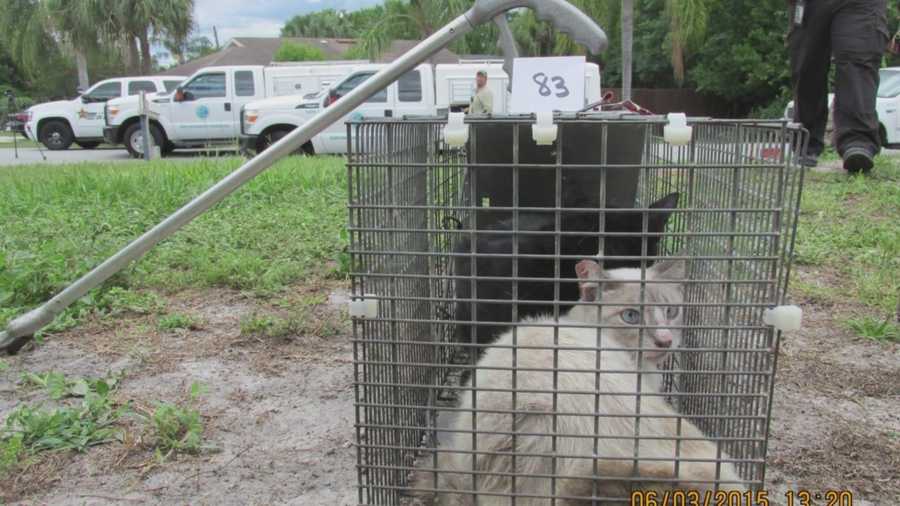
566 324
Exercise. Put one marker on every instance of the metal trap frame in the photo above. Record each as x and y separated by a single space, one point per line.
413 197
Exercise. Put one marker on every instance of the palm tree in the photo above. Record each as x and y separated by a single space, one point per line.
146 20
688 22
79 25
412 19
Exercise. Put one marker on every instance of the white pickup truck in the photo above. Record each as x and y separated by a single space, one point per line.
58 124
205 109
426 90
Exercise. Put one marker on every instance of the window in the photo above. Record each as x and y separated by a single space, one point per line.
136 87
171 85
243 83
410 86
105 91
207 86
352 82
890 84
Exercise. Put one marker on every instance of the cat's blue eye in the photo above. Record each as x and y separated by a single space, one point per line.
672 312
631 316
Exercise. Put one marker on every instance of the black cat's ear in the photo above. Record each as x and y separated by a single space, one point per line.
589 273
657 220
669 269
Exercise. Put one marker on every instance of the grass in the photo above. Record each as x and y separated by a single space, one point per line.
30 430
178 428
875 329
281 227
20 142
271 326
178 321
849 239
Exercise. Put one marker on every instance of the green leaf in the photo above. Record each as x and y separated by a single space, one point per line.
80 388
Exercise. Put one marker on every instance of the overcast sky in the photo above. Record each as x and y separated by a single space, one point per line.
259 18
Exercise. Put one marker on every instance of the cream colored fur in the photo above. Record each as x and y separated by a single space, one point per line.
534 412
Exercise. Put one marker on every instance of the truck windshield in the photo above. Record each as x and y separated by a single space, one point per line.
890 84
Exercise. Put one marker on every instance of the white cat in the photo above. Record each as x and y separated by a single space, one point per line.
586 405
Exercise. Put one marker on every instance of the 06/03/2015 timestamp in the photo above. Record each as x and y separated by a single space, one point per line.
735 498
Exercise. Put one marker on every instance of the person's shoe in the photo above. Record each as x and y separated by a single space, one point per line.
857 159
809 161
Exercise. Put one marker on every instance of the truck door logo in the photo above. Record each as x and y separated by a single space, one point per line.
85 114
203 112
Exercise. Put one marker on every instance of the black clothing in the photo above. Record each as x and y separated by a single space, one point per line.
855 33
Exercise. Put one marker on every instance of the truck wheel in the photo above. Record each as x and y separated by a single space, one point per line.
134 139
56 135
87 145
275 136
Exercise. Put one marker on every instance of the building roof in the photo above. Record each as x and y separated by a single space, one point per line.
261 50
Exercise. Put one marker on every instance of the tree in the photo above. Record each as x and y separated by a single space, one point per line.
146 20
688 21
79 25
292 51
326 23
744 59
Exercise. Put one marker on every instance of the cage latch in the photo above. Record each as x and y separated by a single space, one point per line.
784 318
456 133
544 131
364 307
677 132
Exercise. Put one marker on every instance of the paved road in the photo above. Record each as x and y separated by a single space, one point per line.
31 156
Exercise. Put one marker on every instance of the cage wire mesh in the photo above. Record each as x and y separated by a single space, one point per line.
423 217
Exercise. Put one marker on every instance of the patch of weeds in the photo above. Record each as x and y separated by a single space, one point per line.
178 428
59 386
177 321
3 365
875 329
117 301
29 429
267 326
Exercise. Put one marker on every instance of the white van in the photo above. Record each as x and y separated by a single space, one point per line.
887 107
205 109
427 90
58 124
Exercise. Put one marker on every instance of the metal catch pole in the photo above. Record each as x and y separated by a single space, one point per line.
567 18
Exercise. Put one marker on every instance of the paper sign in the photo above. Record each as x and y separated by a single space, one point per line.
548 84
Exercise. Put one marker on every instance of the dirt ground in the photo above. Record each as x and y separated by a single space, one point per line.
280 410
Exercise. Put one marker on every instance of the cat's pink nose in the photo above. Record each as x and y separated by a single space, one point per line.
664 338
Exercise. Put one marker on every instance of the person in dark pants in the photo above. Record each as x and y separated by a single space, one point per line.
855 33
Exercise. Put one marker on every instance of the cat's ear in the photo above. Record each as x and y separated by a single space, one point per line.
656 222
589 273
669 269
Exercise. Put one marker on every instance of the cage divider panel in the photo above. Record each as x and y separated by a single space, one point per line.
537 186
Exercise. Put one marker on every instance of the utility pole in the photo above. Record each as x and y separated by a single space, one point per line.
216 37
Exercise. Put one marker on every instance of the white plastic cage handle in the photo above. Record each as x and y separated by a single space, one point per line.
677 132
543 131
784 318
364 307
456 133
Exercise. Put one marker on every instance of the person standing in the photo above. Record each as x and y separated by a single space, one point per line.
855 33
483 100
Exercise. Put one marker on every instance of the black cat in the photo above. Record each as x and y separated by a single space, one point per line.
583 246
